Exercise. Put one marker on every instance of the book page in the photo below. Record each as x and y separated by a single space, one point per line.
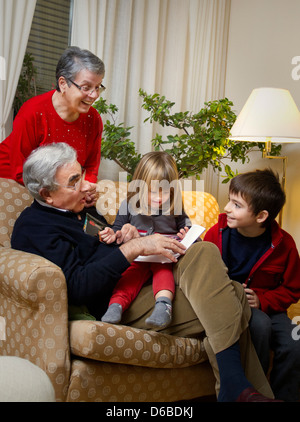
191 236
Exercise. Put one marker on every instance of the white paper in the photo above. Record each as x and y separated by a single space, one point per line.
191 236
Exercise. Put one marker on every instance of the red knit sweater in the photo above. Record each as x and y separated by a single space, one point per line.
37 123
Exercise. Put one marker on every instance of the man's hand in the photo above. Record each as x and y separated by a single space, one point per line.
252 297
155 244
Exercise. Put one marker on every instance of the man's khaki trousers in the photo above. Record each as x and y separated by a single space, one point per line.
207 305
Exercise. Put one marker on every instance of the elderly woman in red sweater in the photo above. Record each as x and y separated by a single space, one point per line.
61 115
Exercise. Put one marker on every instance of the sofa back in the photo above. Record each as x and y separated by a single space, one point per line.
13 199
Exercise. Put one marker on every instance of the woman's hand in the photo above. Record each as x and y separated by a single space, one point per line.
92 195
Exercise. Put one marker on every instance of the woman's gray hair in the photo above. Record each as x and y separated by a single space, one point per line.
73 60
40 168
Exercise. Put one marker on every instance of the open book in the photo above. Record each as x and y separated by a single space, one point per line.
191 236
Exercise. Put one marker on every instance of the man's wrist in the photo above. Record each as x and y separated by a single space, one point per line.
132 249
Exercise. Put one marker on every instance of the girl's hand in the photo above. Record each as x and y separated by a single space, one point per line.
107 235
181 234
126 233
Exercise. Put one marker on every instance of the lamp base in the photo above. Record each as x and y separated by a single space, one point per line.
267 151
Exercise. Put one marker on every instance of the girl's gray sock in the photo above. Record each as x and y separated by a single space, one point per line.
113 314
161 316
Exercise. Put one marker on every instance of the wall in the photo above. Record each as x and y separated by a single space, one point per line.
263 39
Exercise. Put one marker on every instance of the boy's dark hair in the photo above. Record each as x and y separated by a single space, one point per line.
261 190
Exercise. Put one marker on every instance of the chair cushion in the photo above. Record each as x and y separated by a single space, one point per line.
201 207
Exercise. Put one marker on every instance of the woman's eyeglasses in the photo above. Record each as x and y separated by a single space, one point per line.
87 90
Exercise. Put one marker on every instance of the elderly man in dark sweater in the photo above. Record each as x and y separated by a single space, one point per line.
207 302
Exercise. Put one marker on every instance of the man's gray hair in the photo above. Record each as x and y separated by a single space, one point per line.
40 168
73 60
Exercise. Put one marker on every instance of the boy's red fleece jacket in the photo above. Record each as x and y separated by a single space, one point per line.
275 278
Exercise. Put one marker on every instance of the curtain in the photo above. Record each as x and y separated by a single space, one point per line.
15 22
176 48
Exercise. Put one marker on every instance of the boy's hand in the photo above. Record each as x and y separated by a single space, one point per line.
181 234
252 297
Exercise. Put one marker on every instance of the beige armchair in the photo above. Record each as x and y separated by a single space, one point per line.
90 360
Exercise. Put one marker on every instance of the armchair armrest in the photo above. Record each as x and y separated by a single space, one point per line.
121 344
34 311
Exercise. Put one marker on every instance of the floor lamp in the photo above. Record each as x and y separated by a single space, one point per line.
269 115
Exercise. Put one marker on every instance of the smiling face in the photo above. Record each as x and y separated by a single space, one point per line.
76 100
241 217
157 197
72 188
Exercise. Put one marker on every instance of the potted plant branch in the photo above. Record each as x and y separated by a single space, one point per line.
26 87
201 139
116 144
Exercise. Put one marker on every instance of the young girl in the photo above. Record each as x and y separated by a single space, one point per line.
153 205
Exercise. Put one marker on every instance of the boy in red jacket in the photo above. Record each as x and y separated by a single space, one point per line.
264 258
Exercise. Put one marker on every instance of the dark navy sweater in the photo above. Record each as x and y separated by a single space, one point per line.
91 268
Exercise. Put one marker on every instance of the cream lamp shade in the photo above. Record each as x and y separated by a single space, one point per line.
270 114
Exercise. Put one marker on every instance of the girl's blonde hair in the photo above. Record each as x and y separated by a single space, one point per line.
156 169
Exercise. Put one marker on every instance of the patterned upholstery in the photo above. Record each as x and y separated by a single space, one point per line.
294 312
106 382
13 199
201 207
33 305
89 360
147 348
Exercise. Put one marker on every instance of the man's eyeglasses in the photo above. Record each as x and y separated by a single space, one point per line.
87 90
77 183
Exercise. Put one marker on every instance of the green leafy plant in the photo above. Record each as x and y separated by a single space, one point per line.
201 139
116 144
27 82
